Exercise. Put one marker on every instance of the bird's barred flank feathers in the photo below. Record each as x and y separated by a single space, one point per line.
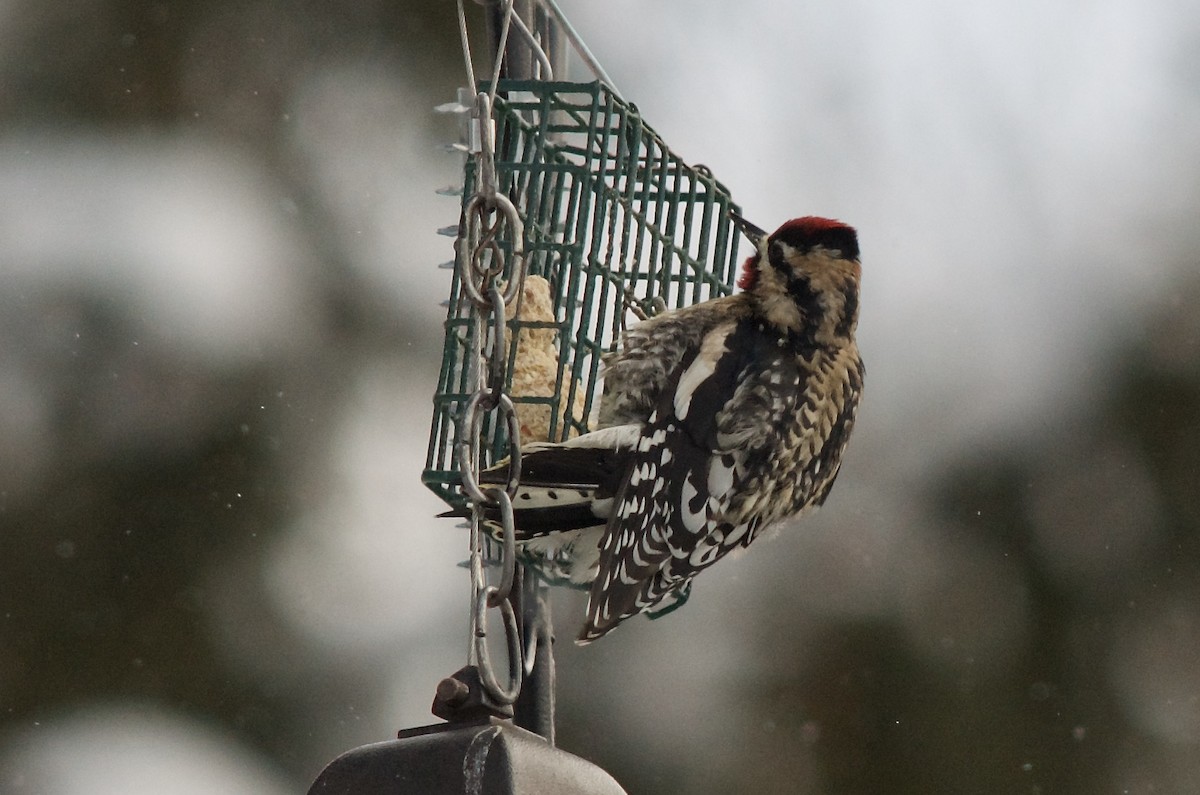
718 420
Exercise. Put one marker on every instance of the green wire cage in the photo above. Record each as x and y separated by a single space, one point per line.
616 226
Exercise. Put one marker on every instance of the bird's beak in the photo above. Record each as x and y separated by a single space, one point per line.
752 232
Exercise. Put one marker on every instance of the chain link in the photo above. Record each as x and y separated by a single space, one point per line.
483 659
479 256
468 448
481 263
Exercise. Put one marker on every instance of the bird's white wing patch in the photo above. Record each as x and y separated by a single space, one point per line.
701 368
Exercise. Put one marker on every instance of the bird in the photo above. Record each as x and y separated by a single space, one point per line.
717 421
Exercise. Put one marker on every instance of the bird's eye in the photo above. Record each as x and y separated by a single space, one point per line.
777 258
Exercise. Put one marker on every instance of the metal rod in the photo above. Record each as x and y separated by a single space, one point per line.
521 51
545 17
580 47
527 49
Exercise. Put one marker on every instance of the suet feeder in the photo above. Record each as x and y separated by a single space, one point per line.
614 222
577 219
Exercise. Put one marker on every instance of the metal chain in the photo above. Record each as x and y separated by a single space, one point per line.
481 262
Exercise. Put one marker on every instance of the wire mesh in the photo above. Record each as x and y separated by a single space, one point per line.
612 219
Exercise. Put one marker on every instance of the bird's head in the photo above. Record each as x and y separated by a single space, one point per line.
805 275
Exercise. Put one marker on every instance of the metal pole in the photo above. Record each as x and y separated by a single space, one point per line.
552 42
534 707
519 56
521 60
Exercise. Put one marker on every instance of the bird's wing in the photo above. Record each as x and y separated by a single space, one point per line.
675 487
643 366
568 485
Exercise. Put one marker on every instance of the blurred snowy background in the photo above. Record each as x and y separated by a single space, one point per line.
219 331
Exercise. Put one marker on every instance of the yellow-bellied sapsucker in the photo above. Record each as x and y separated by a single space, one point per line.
717 420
